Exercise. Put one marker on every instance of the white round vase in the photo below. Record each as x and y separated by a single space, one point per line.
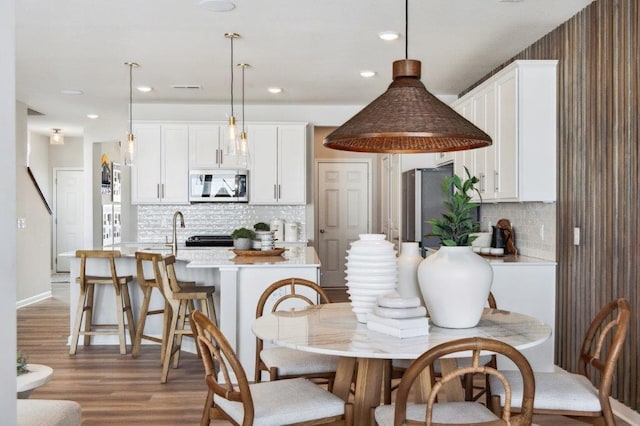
372 270
455 283
408 262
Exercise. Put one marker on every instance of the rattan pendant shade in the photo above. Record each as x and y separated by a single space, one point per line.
407 119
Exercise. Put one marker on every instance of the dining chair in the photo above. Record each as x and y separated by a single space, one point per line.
395 369
181 302
574 394
465 412
281 402
120 284
285 363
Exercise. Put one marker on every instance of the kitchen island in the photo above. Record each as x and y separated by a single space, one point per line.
239 282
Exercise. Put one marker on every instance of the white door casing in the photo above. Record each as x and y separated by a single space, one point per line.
68 205
343 212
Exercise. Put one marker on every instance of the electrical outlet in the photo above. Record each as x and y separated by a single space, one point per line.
22 223
576 236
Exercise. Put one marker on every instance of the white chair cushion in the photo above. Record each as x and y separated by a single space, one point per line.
554 391
284 402
443 412
293 362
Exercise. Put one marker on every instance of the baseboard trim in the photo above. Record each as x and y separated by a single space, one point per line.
33 299
624 412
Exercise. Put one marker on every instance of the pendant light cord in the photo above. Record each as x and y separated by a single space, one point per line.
243 67
130 99
231 63
406 29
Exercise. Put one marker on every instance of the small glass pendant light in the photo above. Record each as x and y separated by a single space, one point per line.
243 143
130 148
231 144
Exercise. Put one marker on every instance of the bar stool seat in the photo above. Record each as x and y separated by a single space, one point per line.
86 301
180 297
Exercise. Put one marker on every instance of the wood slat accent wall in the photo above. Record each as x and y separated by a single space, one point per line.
598 177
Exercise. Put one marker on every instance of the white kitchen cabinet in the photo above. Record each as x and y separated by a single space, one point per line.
206 147
517 108
161 165
278 164
444 157
528 288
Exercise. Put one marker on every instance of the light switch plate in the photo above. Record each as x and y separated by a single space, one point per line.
22 223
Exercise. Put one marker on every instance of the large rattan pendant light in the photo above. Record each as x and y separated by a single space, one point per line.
407 118
130 149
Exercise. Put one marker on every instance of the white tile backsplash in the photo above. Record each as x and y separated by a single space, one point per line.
534 226
155 221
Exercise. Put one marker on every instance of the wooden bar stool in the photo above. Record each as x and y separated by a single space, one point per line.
147 285
86 301
180 298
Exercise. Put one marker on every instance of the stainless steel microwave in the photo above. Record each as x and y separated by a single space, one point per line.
218 186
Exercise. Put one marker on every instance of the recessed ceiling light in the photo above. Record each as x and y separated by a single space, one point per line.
144 89
217 5
71 92
275 90
388 35
367 73
92 116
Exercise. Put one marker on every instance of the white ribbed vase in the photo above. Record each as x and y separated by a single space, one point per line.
455 283
372 270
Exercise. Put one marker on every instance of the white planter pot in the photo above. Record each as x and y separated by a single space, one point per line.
455 283
242 243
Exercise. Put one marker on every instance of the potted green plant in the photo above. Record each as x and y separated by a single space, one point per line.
455 282
261 226
455 226
242 238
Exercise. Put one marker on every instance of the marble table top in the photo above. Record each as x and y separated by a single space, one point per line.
333 329
37 376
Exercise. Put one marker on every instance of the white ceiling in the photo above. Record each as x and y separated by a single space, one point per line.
313 49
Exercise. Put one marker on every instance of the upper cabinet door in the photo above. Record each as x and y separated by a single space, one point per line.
292 159
175 164
506 174
145 172
204 141
263 175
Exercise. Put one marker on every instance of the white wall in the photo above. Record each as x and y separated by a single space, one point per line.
7 214
33 244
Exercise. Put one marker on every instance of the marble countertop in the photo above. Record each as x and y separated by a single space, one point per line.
514 260
216 257
333 329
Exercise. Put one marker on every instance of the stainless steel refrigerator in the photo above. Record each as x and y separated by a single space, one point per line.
422 199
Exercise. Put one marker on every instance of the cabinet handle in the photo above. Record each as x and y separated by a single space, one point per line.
482 182
275 191
279 194
158 190
496 181
163 190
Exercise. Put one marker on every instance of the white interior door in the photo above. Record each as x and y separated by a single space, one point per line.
344 212
68 215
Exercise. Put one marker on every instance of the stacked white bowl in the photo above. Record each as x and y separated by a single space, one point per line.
372 270
266 240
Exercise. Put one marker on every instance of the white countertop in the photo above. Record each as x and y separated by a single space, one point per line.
216 257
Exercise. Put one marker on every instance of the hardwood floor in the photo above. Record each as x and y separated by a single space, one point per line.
117 389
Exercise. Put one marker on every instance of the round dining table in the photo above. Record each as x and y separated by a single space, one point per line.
332 329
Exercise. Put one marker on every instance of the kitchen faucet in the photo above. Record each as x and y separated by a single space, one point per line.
174 242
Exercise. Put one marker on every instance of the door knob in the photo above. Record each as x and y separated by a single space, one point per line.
322 231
